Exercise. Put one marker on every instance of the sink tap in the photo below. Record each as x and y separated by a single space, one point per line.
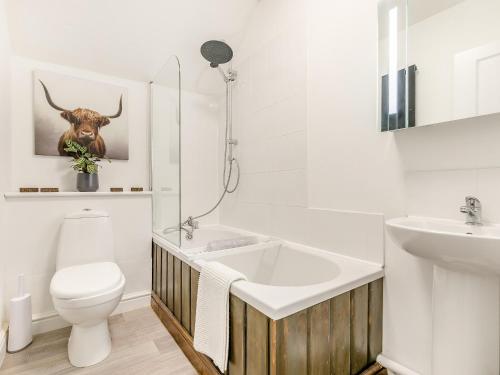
473 211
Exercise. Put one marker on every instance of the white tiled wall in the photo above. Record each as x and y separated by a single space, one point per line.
441 193
271 125
331 104
270 120
445 163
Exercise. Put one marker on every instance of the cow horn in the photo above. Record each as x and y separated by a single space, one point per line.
120 107
49 99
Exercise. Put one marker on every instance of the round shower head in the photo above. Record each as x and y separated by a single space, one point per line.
216 52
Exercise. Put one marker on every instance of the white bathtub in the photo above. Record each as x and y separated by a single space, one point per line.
285 278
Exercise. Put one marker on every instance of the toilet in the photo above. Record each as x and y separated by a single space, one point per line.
88 284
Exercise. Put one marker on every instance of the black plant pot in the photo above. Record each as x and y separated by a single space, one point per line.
86 182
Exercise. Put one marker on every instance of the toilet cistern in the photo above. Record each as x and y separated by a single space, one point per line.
473 210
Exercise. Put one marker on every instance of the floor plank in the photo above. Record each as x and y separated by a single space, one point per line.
141 345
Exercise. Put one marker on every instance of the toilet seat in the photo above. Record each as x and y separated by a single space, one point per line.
80 303
86 285
85 280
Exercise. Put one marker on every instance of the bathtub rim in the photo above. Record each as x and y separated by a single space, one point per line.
269 299
278 302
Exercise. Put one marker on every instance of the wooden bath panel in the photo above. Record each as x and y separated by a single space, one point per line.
341 336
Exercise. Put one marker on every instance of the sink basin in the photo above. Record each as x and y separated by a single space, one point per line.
449 243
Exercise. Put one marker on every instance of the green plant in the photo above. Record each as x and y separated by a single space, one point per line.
83 160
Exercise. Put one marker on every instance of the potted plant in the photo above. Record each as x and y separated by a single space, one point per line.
86 164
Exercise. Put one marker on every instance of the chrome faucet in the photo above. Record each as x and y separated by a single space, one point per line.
188 226
191 225
473 210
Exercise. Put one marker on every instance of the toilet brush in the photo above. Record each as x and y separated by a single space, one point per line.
20 334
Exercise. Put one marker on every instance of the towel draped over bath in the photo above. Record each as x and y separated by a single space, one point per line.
212 311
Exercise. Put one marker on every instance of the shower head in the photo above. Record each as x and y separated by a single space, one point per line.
216 52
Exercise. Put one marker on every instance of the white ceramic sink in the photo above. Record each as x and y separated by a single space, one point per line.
449 243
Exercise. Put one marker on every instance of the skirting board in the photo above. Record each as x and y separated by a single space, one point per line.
394 367
51 321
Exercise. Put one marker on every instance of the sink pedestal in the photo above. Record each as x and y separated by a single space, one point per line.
466 292
466 322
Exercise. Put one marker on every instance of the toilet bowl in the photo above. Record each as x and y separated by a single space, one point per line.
87 308
88 285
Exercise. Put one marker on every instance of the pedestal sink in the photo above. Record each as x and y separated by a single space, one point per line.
450 243
466 313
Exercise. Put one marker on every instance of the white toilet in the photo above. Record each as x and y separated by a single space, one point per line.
88 284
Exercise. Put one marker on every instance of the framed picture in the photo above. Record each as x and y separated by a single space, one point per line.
94 114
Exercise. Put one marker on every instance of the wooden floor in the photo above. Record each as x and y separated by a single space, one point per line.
141 345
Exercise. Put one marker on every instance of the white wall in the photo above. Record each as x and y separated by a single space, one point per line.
282 176
354 166
27 168
4 145
459 159
343 167
199 148
32 225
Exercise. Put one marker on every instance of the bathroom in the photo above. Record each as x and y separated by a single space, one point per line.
313 176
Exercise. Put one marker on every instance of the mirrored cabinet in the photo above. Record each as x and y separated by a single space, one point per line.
439 61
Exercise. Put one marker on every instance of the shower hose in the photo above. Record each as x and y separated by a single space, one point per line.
233 162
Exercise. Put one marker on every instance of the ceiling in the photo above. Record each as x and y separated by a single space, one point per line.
127 38
418 10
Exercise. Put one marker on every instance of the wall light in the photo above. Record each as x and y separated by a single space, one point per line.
393 61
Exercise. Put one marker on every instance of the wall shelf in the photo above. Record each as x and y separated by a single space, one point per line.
75 194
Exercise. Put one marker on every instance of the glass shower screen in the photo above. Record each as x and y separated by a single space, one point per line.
166 151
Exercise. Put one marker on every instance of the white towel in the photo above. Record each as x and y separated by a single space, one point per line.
212 311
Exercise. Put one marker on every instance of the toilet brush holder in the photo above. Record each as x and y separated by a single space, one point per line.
20 329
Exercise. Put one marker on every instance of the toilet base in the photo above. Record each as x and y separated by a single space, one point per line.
89 343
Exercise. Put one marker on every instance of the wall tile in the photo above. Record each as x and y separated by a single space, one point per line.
289 115
439 193
488 191
289 151
253 217
255 156
256 188
357 235
290 223
272 98
289 188
469 143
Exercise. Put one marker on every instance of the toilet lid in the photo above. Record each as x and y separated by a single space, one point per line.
85 280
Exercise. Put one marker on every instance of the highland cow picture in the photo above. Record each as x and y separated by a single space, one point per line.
94 114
